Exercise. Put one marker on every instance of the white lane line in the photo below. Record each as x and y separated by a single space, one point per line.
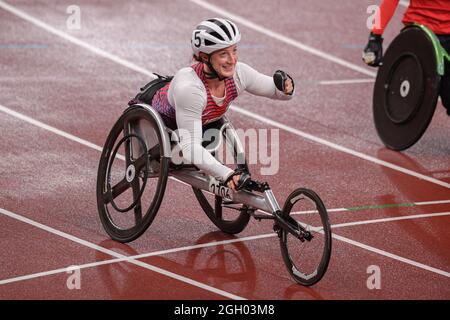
348 81
249 114
338 147
50 128
426 203
57 271
392 256
74 40
61 133
134 257
118 255
224 242
369 207
364 222
282 38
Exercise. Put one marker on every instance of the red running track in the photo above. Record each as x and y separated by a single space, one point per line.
50 179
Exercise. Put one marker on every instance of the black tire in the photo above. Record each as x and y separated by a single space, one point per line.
406 89
307 261
125 223
228 220
215 212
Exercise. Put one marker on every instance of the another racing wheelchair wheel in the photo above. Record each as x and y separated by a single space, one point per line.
229 217
132 175
406 88
307 255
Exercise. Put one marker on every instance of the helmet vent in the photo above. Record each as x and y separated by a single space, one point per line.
225 29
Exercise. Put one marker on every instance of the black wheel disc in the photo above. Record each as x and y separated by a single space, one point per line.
132 175
406 89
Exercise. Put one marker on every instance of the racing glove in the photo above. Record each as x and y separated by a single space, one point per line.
373 52
279 78
244 178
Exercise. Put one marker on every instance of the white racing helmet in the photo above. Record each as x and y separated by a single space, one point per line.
214 34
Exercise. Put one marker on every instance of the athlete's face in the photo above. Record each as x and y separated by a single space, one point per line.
224 61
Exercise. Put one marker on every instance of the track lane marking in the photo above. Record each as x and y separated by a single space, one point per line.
121 256
244 239
338 147
364 222
133 257
381 206
391 255
345 81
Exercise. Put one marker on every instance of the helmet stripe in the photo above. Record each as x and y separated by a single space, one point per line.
232 27
216 28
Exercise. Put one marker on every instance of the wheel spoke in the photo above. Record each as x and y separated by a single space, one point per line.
116 191
126 132
138 213
155 153
137 197
140 162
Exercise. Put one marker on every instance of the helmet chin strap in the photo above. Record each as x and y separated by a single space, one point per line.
213 74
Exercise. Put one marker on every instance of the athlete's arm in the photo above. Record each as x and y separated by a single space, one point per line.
387 9
373 51
259 84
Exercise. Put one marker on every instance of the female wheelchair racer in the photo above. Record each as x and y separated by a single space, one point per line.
195 99
203 92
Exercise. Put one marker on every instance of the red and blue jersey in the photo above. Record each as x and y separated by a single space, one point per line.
211 112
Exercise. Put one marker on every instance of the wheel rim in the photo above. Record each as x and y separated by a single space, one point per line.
151 176
306 260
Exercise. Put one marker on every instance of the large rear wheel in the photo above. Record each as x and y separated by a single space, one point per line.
132 176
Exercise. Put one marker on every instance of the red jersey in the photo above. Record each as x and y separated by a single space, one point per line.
435 14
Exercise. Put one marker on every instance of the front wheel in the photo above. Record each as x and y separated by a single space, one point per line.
306 257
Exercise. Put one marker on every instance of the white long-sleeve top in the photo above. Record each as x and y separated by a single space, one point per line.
187 94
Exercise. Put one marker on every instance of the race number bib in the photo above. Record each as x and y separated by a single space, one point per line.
217 189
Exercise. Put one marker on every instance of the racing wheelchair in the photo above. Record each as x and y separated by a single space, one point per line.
407 86
138 159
